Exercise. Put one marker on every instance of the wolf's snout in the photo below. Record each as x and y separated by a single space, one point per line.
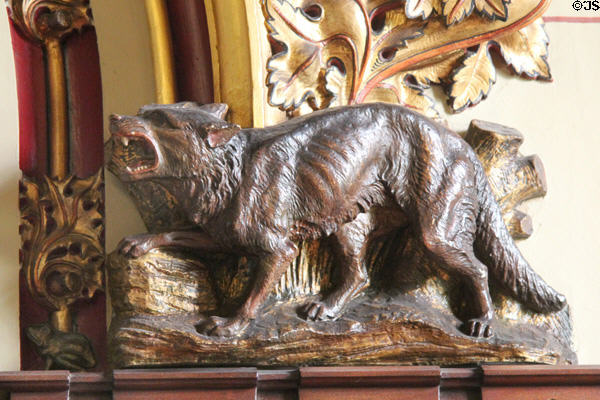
114 122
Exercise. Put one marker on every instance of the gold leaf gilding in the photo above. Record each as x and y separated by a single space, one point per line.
473 80
332 53
526 51
457 10
492 8
422 8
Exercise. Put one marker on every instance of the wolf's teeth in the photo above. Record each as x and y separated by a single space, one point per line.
125 141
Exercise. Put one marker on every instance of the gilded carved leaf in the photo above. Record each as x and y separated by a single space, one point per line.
400 90
473 80
311 50
492 8
408 89
422 8
291 83
526 51
457 10
62 233
337 52
336 85
436 70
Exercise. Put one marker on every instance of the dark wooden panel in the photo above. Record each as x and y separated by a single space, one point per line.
278 384
181 384
187 394
388 393
318 377
541 393
460 384
540 382
343 383
530 375
362 383
90 386
39 385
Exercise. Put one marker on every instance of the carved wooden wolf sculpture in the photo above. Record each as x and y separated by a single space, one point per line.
352 173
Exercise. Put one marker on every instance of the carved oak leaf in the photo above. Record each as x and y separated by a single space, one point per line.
457 10
335 52
493 9
336 85
436 70
399 90
408 88
309 52
292 84
526 51
397 30
472 80
422 8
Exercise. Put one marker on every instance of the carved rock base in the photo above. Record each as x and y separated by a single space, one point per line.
156 326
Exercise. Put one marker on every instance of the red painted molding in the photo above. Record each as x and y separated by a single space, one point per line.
84 89
31 92
191 48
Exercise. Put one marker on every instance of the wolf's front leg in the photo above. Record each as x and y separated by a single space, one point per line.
138 245
349 245
270 268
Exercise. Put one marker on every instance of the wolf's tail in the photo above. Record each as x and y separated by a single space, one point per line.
495 248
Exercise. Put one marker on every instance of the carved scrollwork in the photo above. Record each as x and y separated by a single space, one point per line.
62 241
44 20
328 53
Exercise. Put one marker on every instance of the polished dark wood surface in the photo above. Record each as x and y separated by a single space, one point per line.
488 382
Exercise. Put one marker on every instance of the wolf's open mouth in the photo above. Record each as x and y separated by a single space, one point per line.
134 153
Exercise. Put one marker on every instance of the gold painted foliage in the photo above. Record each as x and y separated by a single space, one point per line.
473 79
525 51
338 52
62 238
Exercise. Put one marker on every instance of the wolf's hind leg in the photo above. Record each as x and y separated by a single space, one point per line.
447 225
462 262
350 273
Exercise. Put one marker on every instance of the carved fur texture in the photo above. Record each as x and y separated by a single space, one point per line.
350 173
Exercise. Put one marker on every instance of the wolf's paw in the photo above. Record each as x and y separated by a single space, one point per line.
478 327
319 311
137 245
223 327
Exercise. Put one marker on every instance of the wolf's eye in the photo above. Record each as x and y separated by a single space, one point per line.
160 120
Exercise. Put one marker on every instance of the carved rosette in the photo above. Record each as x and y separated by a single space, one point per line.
62 242
337 52
44 20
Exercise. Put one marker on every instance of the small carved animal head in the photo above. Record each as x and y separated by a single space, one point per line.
160 140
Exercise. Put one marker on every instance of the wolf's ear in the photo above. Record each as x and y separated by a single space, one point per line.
219 135
219 110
